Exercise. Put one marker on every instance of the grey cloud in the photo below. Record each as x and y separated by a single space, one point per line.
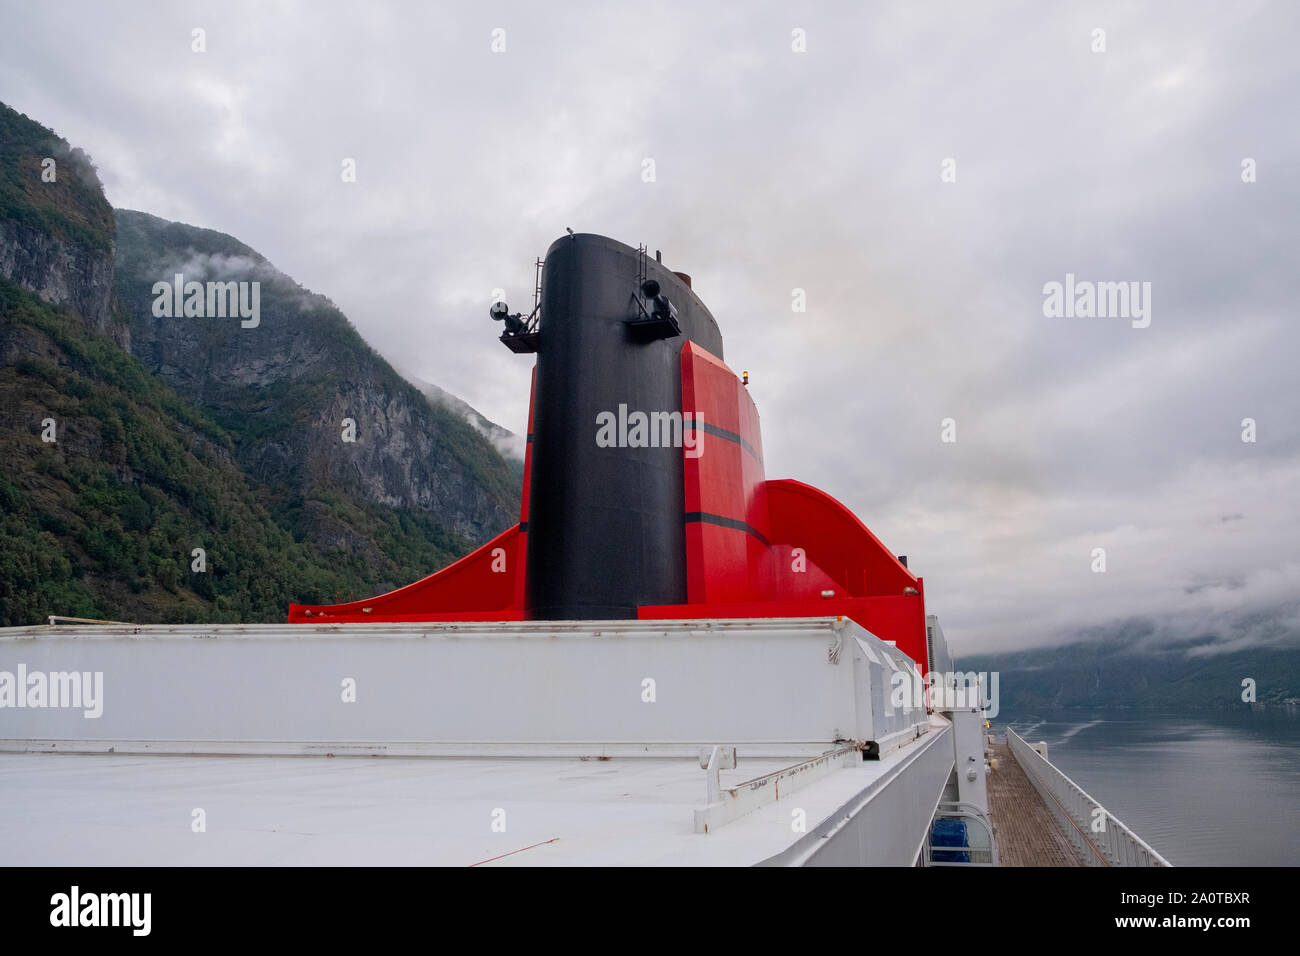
819 171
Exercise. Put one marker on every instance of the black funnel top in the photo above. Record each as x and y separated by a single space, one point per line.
605 530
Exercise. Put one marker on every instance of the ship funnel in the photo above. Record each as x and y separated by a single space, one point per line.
605 527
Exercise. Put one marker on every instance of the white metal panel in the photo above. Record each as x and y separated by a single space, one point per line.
972 778
773 686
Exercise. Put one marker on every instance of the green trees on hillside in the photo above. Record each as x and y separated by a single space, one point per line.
103 521
71 207
145 469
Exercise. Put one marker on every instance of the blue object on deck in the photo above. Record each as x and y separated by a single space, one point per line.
947 832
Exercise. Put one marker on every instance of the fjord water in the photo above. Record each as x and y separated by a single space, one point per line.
1204 788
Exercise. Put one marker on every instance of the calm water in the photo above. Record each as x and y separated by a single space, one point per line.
1205 789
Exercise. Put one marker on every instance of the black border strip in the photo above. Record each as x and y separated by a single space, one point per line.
710 429
704 517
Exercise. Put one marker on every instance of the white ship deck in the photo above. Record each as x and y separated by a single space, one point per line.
590 736
113 810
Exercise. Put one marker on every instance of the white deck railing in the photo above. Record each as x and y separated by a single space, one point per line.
1100 838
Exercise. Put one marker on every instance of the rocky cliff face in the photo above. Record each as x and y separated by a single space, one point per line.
62 273
310 404
512 446
56 227
130 434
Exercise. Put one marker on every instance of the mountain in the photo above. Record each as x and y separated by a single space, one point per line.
287 387
177 433
103 520
1119 671
510 445
56 227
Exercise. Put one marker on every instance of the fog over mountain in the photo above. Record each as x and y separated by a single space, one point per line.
919 171
510 445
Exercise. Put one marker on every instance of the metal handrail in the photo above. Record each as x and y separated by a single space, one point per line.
56 619
979 854
1114 845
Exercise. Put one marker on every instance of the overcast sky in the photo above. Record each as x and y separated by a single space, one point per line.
819 170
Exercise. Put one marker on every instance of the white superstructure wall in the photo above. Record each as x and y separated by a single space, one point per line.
601 688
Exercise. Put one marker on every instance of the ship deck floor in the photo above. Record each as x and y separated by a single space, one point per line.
137 810
1026 831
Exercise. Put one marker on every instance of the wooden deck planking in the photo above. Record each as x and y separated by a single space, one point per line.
1026 831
